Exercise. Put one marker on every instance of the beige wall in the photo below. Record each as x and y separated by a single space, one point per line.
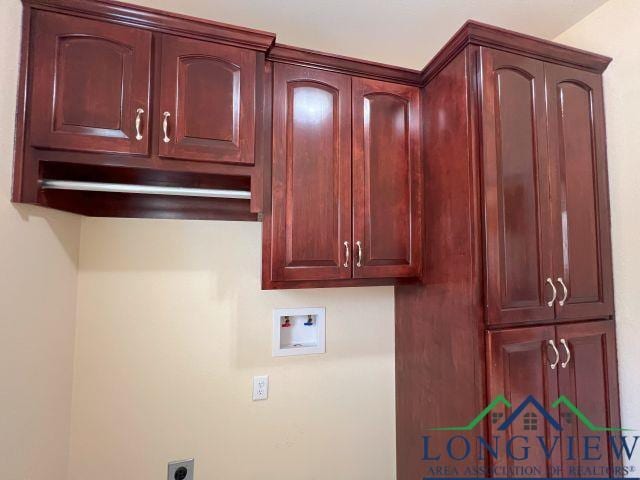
38 257
171 327
612 30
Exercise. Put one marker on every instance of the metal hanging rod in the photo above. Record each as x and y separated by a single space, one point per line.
144 189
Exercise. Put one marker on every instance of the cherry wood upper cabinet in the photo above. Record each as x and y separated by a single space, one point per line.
346 181
519 366
577 151
387 179
548 248
311 200
207 99
122 94
90 86
516 187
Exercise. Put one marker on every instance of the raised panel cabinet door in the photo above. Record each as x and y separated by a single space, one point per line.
90 87
588 382
580 196
387 198
519 363
311 175
207 101
516 189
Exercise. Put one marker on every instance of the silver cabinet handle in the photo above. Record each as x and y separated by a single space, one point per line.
139 113
165 127
346 254
566 347
554 364
359 244
566 292
555 292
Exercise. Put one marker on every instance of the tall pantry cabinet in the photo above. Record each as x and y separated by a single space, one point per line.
518 296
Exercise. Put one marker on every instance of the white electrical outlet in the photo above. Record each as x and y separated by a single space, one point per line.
261 387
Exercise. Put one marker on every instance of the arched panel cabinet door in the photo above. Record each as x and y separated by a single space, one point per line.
311 178
207 104
588 378
90 89
387 180
580 195
523 363
516 189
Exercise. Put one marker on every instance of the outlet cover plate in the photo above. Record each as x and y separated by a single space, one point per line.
174 466
261 387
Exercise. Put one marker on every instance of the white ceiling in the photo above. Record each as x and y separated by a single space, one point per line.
400 32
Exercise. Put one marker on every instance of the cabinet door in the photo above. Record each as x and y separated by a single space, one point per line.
386 179
519 368
516 189
207 101
588 379
311 177
580 192
90 81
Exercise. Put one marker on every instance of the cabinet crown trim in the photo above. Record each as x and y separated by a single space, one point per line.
158 20
481 34
342 64
472 32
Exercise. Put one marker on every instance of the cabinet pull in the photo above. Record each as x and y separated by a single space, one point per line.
554 364
359 244
139 113
555 292
165 127
566 347
346 255
566 291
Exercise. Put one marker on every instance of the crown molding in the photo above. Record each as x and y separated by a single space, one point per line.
338 63
476 33
471 33
158 20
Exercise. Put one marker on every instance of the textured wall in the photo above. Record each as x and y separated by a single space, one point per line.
38 259
171 327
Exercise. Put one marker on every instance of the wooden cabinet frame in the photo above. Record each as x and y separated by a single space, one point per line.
387 179
547 234
518 233
311 163
40 154
451 330
77 119
576 361
225 134
346 208
581 217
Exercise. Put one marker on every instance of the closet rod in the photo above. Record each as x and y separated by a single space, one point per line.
143 189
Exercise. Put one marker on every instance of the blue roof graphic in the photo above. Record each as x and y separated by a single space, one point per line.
530 400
